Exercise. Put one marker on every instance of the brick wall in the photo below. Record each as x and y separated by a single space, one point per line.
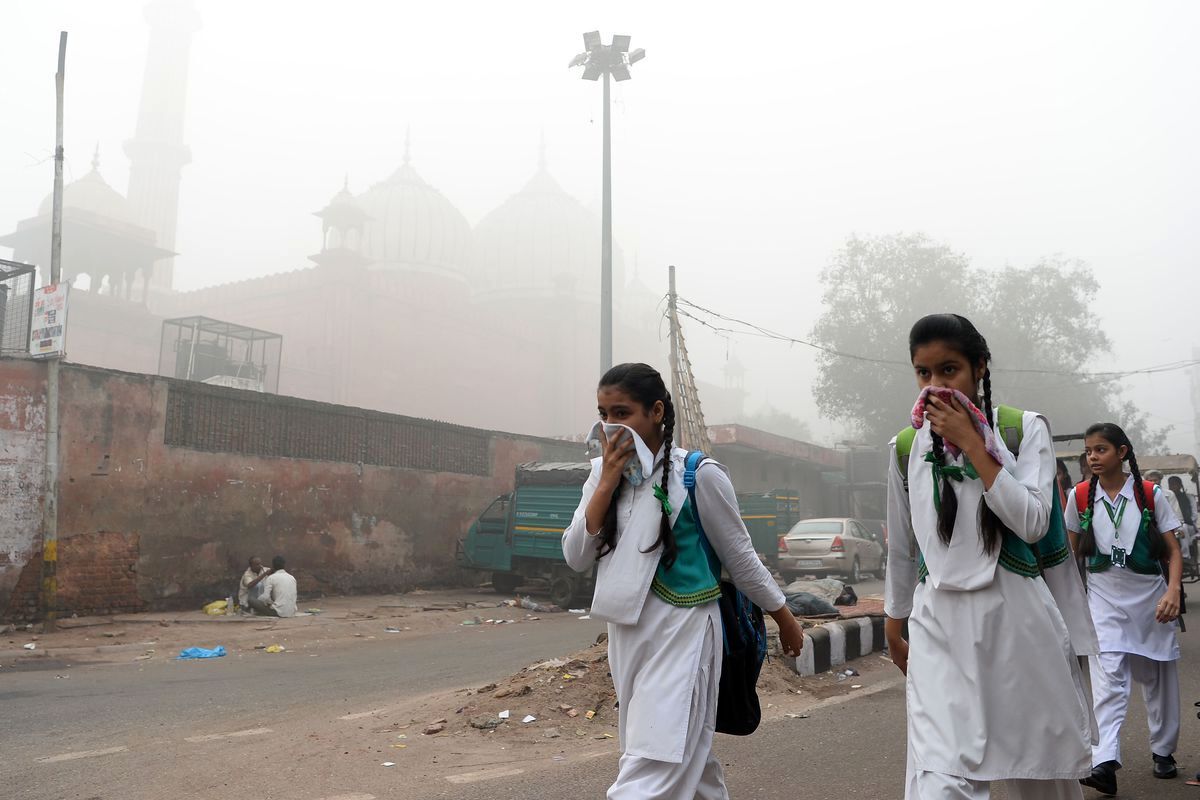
167 487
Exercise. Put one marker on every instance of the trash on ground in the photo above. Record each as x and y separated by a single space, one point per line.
529 718
577 610
585 616
603 736
30 646
399 746
796 716
472 621
313 610
389 763
201 652
391 630
503 714
554 663
275 648
530 604
216 608
857 686
590 715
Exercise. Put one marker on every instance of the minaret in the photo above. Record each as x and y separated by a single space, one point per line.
157 152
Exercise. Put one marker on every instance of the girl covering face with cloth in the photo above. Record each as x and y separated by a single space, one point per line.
657 589
994 689
1126 533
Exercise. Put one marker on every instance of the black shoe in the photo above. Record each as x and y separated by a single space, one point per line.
1103 778
1164 766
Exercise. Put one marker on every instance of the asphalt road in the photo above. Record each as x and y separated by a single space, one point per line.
303 726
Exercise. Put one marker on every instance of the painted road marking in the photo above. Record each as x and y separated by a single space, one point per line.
212 737
484 775
81 754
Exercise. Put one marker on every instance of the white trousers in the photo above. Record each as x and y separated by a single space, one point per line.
936 786
1112 677
699 776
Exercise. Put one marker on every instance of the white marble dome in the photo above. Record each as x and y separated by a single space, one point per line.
411 226
541 242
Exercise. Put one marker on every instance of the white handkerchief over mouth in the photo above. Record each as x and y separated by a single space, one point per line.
638 467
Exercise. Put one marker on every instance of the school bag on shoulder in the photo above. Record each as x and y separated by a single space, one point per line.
1053 548
745 638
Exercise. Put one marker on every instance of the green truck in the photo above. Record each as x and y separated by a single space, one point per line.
518 538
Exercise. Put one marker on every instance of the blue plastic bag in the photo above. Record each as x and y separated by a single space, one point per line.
200 652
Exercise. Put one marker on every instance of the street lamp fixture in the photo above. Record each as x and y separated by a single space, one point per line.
613 60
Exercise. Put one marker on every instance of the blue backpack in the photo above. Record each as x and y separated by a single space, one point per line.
744 634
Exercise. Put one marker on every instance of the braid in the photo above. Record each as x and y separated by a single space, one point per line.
949 508
666 537
1157 548
1087 539
607 540
987 396
990 526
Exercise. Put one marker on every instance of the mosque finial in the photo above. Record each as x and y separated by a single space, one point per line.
407 144
96 158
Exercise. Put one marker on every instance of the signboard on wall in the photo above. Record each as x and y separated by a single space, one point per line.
48 333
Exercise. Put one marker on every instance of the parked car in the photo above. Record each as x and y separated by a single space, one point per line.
832 546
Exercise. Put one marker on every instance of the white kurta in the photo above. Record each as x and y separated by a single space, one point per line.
656 649
994 688
1122 601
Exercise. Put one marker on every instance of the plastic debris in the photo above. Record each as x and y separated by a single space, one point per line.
200 652
529 718
796 716
275 648
472 621
389 763
590 715
391 630
503 714
216 608
577 610
30 646
530 604
856 686
554 663
585 616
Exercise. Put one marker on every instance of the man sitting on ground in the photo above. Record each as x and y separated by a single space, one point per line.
251 585
279 593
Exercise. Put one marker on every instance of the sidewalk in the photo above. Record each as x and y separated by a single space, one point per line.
123 637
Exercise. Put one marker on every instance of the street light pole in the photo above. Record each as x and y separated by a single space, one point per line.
606 356
610 61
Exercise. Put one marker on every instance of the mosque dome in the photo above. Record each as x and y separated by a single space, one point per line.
541 242
92 194
411 225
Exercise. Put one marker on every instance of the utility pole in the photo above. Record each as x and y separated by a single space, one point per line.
690 430
607 60
49 598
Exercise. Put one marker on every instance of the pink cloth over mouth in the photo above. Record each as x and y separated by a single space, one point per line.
946 394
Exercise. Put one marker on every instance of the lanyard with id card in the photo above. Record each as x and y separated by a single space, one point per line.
1115 516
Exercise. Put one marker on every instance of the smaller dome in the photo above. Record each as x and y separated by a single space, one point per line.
92 193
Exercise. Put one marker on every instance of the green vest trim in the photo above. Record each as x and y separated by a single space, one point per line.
1016 555
694 578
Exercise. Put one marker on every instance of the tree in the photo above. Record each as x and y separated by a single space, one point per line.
1037 321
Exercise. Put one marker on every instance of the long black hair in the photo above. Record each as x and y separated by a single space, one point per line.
957 333
1115 435
644 385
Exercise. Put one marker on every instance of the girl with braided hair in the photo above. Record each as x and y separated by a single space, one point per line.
1126 532
994 689
657 587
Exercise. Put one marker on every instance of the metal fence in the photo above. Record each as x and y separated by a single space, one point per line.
16 306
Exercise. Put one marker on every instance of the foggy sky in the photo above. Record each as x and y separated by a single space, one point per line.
752 141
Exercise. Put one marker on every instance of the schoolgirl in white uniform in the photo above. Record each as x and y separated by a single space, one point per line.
994 689
1134 606
656 589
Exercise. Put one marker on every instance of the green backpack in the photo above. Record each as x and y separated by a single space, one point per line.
1016 555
